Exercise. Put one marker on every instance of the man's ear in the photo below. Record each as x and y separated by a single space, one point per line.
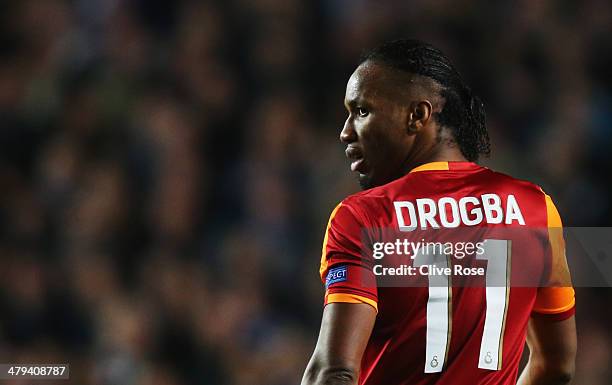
418 115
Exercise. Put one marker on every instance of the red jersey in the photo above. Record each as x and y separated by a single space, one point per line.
432 330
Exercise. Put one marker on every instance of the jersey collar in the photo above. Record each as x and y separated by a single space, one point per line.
445 166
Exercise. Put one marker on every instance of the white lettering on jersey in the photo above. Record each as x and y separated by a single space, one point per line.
447 212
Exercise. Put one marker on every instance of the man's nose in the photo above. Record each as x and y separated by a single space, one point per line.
348 134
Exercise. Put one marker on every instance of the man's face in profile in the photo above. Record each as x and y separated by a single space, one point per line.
376 132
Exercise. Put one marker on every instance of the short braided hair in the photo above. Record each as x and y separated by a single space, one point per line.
463 112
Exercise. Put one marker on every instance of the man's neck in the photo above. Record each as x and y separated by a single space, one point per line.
446 154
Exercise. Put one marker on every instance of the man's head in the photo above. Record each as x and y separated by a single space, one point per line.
407 106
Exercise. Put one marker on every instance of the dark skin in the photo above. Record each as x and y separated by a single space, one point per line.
391 129
344 334
552 352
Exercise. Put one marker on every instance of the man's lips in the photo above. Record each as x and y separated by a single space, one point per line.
356 165
356 157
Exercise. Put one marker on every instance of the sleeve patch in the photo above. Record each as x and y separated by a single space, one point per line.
335 275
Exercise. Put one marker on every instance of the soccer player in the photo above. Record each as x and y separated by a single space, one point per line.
413 133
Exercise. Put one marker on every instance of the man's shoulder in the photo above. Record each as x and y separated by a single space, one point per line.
372 204
374 201
503 180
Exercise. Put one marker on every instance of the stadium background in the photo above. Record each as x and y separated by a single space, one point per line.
167 168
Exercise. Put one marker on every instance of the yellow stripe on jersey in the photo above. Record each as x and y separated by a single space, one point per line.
560 275
350 298
432 166
554 219
554 300
323 266
558 296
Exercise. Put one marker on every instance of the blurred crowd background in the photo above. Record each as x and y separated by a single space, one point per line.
168 168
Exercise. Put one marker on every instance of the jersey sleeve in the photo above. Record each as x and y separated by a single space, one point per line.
556 298
346 269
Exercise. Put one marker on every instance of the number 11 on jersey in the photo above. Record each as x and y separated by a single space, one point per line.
439 307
